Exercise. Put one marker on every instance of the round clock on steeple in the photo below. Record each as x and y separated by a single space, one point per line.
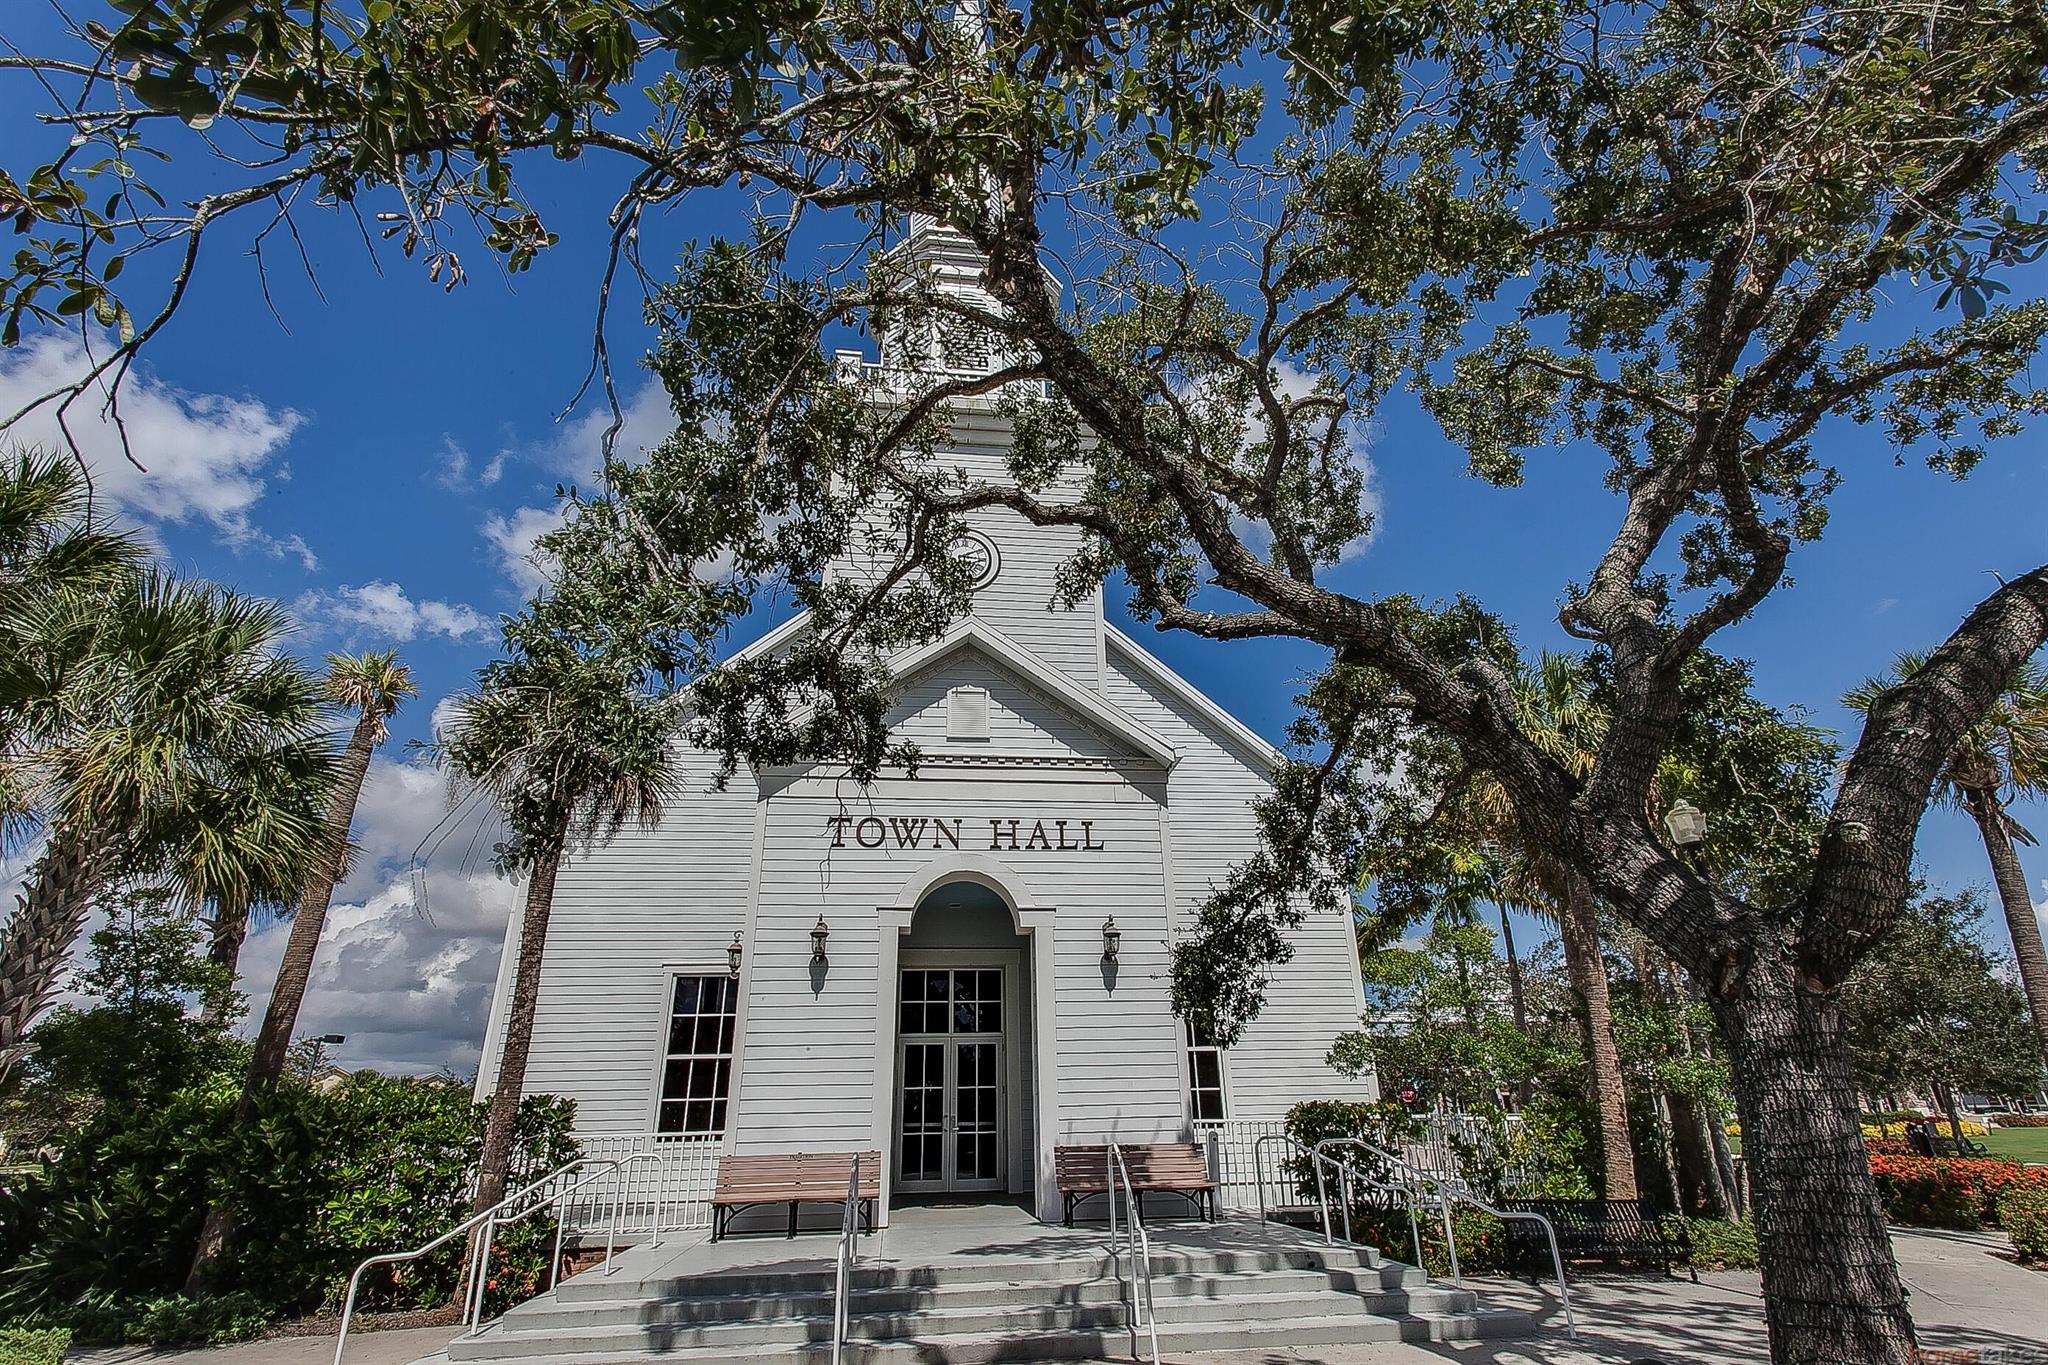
983 560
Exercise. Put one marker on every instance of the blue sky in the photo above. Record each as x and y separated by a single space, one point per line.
380 459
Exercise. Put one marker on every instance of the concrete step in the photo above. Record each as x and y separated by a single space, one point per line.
656 1333
1078 1343
818 1277
548 1313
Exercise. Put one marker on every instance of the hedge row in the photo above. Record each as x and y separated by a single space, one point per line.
2020 1120
1949 1192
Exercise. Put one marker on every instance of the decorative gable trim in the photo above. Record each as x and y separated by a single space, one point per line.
1052 684
1196 699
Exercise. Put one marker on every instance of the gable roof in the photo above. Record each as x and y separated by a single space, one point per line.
1194 697
971 630
1097 710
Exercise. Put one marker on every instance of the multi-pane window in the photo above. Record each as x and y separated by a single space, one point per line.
957 1001
696 1074
1206 1100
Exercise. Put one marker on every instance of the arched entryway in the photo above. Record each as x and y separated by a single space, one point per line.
962 1114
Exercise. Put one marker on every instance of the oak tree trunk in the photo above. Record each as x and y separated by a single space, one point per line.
511 1082
48 917
1580 931
1831 1284
2020 921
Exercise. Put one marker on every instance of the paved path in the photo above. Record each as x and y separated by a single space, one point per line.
1962 1295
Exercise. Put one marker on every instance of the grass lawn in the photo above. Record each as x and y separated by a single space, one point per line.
2018 1144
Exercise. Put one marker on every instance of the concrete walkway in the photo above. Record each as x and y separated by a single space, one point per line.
1962 1294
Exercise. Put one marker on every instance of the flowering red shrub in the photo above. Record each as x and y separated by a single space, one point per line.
1888 1146
2020 1120
1948 1192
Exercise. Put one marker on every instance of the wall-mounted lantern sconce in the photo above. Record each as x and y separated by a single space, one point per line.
1685 823
1112 939
732 955
819 933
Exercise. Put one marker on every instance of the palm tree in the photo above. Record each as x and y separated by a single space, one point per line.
2002 759
571 746
154 729
373 686
49 549
1558 711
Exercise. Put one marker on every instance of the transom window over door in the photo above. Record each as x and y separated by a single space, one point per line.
696 1074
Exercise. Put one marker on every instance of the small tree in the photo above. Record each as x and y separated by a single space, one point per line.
1930 1011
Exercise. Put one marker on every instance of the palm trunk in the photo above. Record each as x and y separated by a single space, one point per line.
1524 1087
1831 1285
1580 932
273 1040
511 1086
47 920
230 927
2027 950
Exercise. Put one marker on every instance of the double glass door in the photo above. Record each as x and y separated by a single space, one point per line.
950 1110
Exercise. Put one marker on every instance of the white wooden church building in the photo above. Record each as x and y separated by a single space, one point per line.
962 969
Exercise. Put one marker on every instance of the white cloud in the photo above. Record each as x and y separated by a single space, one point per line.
382 611
409 954
455 474
513 538
577 452
205 456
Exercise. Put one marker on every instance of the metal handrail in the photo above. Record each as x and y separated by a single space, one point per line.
1259 1174
1447 1191
619 1169
480 1263
469 1224
849 1236
1406 1191
1140 1251
1564 1294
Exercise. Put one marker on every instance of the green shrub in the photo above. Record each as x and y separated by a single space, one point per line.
316 1182
33 1345
170 1320
2023 1216
1724 1242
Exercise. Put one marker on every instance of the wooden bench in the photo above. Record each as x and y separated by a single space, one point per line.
1596 1229
795 1179
1156 1168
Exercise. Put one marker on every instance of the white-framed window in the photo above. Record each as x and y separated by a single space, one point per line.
1208 1095
696 1069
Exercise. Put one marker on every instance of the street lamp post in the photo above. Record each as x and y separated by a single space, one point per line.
321 1042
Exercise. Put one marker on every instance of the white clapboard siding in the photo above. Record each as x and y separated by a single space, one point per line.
1316 996
809 1067
626 915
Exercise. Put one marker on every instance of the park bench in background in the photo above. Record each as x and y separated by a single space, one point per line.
792 1178
1180 1168
1613 1230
